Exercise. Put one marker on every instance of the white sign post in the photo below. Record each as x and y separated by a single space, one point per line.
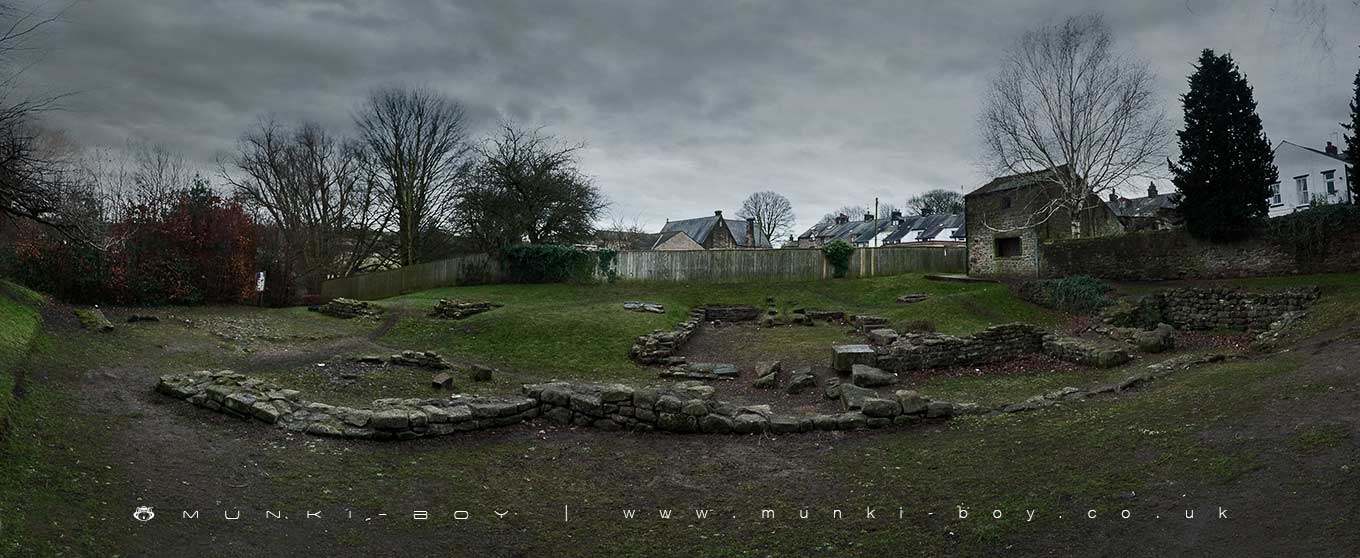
259 288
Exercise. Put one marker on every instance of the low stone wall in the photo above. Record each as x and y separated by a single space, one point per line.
918 351
1215 308
921 351
388 419
685 407
660 346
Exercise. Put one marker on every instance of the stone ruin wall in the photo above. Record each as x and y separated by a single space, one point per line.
1227 308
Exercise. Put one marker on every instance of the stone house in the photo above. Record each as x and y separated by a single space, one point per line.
664 241
716 233
1003 236
1155 212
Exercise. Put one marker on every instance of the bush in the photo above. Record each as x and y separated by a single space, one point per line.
837 253
202 250
549 263
1079 294
1308 234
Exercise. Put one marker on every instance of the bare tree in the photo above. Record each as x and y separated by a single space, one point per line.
1066 98
30 184
936 202
417 147
527 188
852 212
773 213
310 185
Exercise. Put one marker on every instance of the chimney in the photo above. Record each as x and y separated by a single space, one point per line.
717 213
1114 197
842 219
1331 149
1152 189
895 217
868 216
750 232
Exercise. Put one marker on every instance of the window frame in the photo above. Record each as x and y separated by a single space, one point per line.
1000 241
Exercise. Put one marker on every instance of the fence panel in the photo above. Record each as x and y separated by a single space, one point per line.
699 266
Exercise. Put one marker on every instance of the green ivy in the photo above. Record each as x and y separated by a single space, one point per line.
837 253
550 263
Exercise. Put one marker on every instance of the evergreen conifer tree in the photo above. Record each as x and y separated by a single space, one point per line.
1226 165
1352 142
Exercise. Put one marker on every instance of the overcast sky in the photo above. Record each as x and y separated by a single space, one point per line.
685 106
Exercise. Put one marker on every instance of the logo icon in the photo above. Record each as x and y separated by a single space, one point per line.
143 514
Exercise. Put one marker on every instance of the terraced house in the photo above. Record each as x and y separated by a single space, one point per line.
897 229
1309 176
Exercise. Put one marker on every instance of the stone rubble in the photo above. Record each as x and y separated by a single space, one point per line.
1212 308
702 371
644 307
459 309
348 308
93 319
419 359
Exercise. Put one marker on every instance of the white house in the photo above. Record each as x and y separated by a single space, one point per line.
1308 175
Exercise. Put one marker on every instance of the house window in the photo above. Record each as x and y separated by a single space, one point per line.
1330 177
1008 247
1006 202
1301 184
1275 194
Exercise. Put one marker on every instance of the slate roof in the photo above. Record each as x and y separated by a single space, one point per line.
1318 151
1003 183
1142 207
911 228
700 228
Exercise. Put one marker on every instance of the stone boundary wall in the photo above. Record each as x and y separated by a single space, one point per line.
919 351
1174 254
683 408
1217 307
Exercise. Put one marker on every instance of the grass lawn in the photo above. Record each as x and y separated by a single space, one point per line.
583 332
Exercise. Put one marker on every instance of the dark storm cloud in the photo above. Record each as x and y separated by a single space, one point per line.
685 107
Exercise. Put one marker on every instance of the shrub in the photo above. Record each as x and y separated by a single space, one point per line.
1308 234
1079 294
837 253
550 263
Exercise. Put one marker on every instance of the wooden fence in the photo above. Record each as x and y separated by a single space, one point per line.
476 269
702 266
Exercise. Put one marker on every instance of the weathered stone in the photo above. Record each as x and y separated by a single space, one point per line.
881 408
844 357
851 421
868 376
784 424
695 408
676 422
347 308
459 309
442 380
716 424
912 403
882 336
390 419
586 403
939 409
560 415
768 381
912 298
358 417
1161 339
853 396
93 319
801 380
750 423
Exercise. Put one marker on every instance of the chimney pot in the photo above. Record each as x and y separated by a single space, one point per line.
717 213
868 216
1152 189
1331 149
750 232
896 216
